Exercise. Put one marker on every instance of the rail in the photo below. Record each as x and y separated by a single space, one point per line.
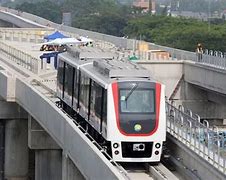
208 142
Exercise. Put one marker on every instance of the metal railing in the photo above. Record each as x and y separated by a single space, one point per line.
208 142
34 35
213 61
21 58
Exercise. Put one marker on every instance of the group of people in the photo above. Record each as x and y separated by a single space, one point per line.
59 48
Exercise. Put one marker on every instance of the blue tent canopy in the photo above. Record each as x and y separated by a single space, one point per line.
55 35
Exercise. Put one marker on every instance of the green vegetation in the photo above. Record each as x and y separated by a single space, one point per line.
202 5
177 32
110 17
197 5
46 9
105 16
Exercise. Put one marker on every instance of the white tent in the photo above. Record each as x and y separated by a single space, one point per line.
85 39
62 41
66 41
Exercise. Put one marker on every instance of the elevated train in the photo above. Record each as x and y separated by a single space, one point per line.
118 101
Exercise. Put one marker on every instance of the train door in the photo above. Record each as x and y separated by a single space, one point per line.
84 95
75 89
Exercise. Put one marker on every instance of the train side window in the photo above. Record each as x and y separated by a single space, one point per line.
104 113
96 98
66 77
69 79
60 75
75 83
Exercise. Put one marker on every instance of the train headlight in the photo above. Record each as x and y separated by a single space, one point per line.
157 145
137 127
115 145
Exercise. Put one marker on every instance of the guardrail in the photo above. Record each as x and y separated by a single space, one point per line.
21 58
24 34
214 61
208 142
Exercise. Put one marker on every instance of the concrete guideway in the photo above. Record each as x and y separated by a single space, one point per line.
149 172
56 123
17 20
40 90
206 76
29 100
22 84
67 135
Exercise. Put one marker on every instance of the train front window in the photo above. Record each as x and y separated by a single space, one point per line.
136 100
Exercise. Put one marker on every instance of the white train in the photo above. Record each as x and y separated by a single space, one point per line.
122 106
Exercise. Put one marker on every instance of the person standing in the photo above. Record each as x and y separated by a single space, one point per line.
199 51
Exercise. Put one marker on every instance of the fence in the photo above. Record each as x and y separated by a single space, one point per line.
209 143
34 35
21 58
214 61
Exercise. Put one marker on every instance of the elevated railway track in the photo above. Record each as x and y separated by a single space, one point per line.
37 92
133 171
29 79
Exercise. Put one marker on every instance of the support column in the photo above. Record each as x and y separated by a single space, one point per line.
3 36
2 149
48 165
69 170
48 155
16 150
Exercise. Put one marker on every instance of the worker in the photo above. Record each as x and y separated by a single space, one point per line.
199 52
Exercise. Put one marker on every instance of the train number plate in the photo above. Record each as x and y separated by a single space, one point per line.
139 147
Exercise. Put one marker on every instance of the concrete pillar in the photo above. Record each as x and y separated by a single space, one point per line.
48 155
3 36
20 36
2 148
48 165
27 37
69 170
11 35
16 149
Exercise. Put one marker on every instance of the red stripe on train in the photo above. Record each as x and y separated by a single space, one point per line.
116 107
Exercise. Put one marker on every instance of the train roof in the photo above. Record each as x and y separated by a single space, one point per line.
103 66
86 52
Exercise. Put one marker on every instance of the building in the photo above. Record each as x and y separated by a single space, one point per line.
223 14
189 14
146 5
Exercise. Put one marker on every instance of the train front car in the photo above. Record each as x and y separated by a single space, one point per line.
136 120
117 102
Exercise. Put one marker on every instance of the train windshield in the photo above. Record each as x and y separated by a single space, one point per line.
137 100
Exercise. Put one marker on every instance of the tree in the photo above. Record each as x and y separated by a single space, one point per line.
177 32
46 9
